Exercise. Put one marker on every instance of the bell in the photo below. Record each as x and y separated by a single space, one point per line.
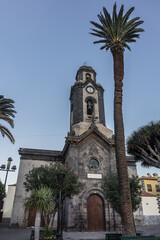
89 107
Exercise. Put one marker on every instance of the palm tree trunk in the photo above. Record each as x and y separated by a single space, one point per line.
51 222
37 225
128 227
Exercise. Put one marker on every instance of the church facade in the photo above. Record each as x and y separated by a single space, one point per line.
89 149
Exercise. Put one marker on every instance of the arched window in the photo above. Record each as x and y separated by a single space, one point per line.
90 106
90 102
93 164
88 76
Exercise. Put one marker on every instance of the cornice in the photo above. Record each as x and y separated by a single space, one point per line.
40 154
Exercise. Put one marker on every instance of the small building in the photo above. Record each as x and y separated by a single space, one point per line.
8 203
151 214
150 205
150 184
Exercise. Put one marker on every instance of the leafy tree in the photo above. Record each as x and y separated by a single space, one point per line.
40 200
46 177
2 194
7 113
2 190
115 33
112 190
144 144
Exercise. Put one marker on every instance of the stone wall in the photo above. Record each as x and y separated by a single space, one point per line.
78 157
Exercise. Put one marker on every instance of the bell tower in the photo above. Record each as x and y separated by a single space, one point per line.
87 104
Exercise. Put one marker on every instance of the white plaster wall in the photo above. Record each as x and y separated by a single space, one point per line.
82 127
150 206
18 216
8 202
132 171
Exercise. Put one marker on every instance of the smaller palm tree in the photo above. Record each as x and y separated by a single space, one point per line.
40 200
7 113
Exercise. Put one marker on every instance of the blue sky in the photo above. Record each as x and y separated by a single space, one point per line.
42 45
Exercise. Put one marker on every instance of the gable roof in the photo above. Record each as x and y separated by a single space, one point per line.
96 85
78 139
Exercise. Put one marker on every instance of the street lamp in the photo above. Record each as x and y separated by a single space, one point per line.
60 178
7 169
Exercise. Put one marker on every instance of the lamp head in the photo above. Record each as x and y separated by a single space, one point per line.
14 168
9 162
2 166
10 159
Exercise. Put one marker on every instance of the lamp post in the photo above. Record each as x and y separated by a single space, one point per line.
158 180
7 169
60 178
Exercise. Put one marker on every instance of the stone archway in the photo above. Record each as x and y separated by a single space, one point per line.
95 213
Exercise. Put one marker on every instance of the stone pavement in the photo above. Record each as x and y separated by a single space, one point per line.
7 233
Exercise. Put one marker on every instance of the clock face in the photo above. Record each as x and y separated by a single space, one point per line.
90 89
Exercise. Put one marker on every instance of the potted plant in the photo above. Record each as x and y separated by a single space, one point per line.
48 233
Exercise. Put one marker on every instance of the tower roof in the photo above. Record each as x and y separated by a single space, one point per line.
86 69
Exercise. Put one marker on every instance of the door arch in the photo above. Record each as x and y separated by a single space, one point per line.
95 213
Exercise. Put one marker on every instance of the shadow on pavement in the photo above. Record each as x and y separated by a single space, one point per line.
7 233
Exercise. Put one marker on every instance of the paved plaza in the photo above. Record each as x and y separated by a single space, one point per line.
7 233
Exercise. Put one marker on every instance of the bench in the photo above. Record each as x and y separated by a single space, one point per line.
113 236
151 237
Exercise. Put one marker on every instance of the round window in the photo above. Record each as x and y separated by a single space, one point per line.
93 164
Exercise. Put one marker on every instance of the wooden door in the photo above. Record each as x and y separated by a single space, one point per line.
95 213
31 219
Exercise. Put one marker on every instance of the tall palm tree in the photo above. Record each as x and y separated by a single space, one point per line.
115 33
7 113
40 200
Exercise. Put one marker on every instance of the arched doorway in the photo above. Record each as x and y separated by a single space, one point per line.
95 213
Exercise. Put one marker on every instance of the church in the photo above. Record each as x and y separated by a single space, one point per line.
89 149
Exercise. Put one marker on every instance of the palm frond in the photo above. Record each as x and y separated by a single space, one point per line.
114 15
106 46
41 200
97 25
7 113
107 28
7 119
101 33
96 34
5 132
100 41
127 15
117 30
120 15
107 16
